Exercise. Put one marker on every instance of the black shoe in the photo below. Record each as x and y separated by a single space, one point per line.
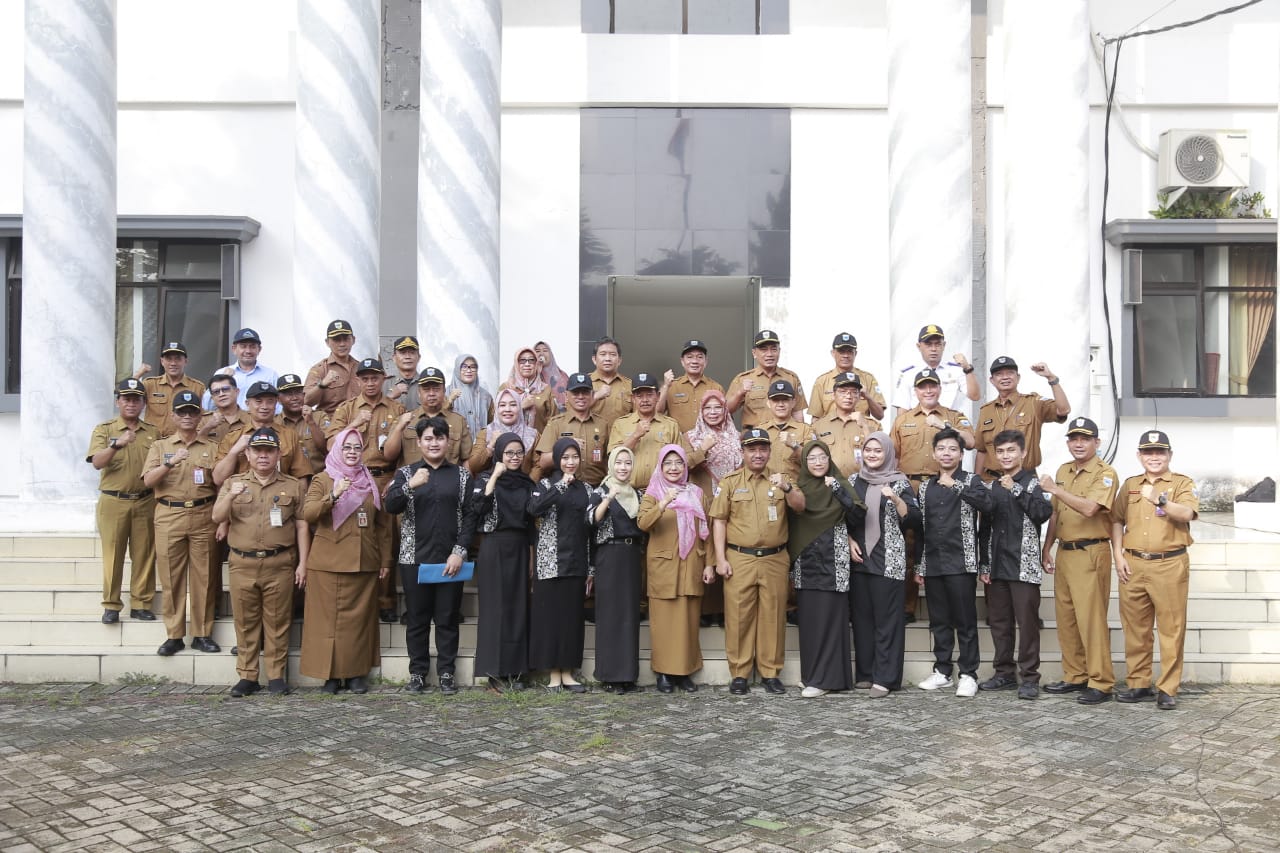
245 687
516 685
739 687
687 685
1029 690
142 615
1165 702
389 616
1135 695
235 650
628 687
404 618
1092 696
278 687
589 615
664 683
110 617
1059 688
999 682
576 688
205 644
170 647
793 617
358 685
705 621
417 684
773 685
330 686
447 684
908 618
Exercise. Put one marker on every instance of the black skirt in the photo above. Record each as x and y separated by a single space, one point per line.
617 588
824 639
502 630
556 628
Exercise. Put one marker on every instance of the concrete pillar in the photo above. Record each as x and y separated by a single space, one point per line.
458 176
930 168
338 171
68 242
1047 225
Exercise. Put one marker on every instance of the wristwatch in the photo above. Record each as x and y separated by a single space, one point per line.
1162 500
113 443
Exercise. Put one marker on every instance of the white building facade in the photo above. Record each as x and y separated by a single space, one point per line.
488 174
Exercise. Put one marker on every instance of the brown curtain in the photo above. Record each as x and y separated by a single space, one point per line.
1251 311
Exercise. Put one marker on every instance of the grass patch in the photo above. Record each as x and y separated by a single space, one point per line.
141 679
599 740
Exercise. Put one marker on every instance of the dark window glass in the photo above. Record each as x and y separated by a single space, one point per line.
13 319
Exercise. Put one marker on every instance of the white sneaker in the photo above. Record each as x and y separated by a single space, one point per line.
813 692
968 687
935 680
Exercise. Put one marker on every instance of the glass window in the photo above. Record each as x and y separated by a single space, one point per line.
13 318
194 316
137 261
703 17
137 327
648 16
202 261
595 16
1167 345
722 17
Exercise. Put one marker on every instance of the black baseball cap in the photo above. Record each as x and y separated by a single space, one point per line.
289 382
847 378
174 346
186 400
766 336
579 382
844 340
431 376
406 342
370 365
644 380
338 328
246 335
694 343
1154 440
261 389
1003 363
264 437
930 331
1082 426
927 375
754 435
130 388
781 388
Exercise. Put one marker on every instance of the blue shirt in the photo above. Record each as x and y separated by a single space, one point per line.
260 373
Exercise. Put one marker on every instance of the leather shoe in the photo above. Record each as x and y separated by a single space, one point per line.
999 682
1028 690
773 685
576 688
142 615
686 684
110 617
388 616
205 644
628 687
245 687
739 687
1058 688
1135 695
170 647
664 683
1093 696
358 684
278 687
330 686
1165 702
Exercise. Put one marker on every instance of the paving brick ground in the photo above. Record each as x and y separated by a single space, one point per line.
87 767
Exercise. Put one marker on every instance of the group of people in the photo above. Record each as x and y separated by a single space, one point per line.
598 495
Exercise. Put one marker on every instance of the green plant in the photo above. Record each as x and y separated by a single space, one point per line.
141 679
1211 206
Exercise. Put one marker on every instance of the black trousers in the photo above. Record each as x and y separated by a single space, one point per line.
1010 603
953 616
879 629
440 603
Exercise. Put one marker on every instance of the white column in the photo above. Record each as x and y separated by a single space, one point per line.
930 168
1047 225
338 170
68 242
458 177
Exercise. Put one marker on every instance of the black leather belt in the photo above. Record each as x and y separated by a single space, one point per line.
624 540
1149 555
381 472
758 552
1079 544
127 496
261 555
185 504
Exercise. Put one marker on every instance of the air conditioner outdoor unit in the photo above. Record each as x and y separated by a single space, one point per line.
1215 160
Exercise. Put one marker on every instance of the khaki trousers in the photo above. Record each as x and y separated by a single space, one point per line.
262 602
1155 594
183 540
1081 590
755 614
125 524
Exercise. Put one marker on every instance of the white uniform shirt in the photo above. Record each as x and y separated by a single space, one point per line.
953 394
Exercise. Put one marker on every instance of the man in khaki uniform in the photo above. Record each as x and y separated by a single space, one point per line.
226 415
786 436
580 422
406 353
912 434
844 349
295 415
845 426
749 531
749 390
263 398
644 432
163 388
682 398
611 391
403 440
269 544
118 448
381 422
1026 413
332 380
1084 492
180 469
1150 535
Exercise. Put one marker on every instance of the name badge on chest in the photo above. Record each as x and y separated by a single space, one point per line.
197 476
277 517
362 518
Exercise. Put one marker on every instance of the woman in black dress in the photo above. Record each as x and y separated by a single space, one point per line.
619 552
820 560
556 632
501 502
879 554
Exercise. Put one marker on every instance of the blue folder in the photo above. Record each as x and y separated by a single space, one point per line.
434 573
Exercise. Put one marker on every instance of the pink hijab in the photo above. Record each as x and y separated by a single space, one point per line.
554 376
691 521
361 480
528 435
726 454
516 382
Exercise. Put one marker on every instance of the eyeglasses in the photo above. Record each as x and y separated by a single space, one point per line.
223 390
468 367
526 361
353 447
512 454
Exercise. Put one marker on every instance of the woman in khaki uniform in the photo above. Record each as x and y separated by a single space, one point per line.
673 512
537 398
353 549
508 417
